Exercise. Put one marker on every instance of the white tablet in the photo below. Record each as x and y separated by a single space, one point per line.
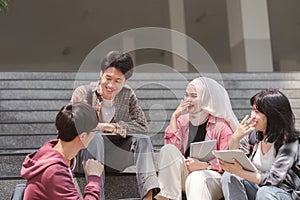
237 154
203 150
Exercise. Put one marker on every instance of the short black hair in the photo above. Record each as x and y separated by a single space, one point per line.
121 61
280 117
74 119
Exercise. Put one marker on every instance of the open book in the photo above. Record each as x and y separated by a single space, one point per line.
238 155
203 150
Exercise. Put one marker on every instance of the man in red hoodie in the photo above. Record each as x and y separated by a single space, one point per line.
48 171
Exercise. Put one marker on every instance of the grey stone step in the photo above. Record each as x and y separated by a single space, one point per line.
33 135
157 113
37 84
61 94
7 187
242 94
116 186
281 84
49 116
232 93
42 122
245 84
49 128
156 104
10 165
15 94
32 104
15 142
165 115
40 105
27 128
19 142
121 186
37 75
29 102
152 76
158 84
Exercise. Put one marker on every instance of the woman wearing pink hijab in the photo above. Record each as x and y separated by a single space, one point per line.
209 117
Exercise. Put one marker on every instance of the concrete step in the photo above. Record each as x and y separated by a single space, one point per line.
155 84
18 128
36 128
117 185
159 116
32 136
10 143
7 187
10 165
123 186
19 142
29 102
156 113
153 76
142 94
55 105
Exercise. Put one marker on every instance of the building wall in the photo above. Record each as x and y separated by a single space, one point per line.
57 35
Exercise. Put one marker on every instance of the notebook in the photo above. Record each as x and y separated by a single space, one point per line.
203 150
237 154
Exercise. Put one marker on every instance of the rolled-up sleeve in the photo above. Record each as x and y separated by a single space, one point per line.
177 137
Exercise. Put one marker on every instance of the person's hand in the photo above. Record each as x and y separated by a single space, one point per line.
181 107
112 128
119 130
233 168
77 99
93 167
245 127
106 127
194 164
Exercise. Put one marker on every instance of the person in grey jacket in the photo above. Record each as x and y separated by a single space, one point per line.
270 139
122 124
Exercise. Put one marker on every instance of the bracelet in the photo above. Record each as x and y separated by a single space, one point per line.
119 130
209 167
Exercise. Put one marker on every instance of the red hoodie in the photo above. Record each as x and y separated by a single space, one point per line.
49 177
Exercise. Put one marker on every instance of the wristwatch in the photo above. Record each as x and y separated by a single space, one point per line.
209 166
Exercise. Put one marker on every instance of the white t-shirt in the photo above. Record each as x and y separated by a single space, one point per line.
264 162
107 110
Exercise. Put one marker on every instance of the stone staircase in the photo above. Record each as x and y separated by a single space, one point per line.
29 102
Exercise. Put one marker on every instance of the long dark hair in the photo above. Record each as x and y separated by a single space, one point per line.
280 117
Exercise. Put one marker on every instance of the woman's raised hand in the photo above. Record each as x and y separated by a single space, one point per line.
181 107
245 127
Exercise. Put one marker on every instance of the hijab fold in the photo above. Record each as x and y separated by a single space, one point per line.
212 100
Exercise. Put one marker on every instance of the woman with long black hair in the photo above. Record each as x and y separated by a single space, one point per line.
274 151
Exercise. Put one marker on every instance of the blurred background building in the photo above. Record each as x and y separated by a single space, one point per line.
239 35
